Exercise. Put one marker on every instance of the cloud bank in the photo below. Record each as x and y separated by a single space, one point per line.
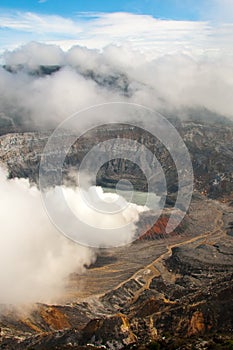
88 76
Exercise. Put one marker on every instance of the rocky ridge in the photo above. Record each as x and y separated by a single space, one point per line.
210 148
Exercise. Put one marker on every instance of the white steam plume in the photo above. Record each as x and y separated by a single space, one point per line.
35 258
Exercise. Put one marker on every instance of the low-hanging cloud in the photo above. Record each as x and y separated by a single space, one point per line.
87 77
35 54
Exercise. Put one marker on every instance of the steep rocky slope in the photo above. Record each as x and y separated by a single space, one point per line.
210 147
158 290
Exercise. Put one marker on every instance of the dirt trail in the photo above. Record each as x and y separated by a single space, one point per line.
157 267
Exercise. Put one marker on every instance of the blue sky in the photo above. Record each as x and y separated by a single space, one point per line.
167 9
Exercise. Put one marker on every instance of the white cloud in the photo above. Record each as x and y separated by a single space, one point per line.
37 23
97 30
35 54
175 80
